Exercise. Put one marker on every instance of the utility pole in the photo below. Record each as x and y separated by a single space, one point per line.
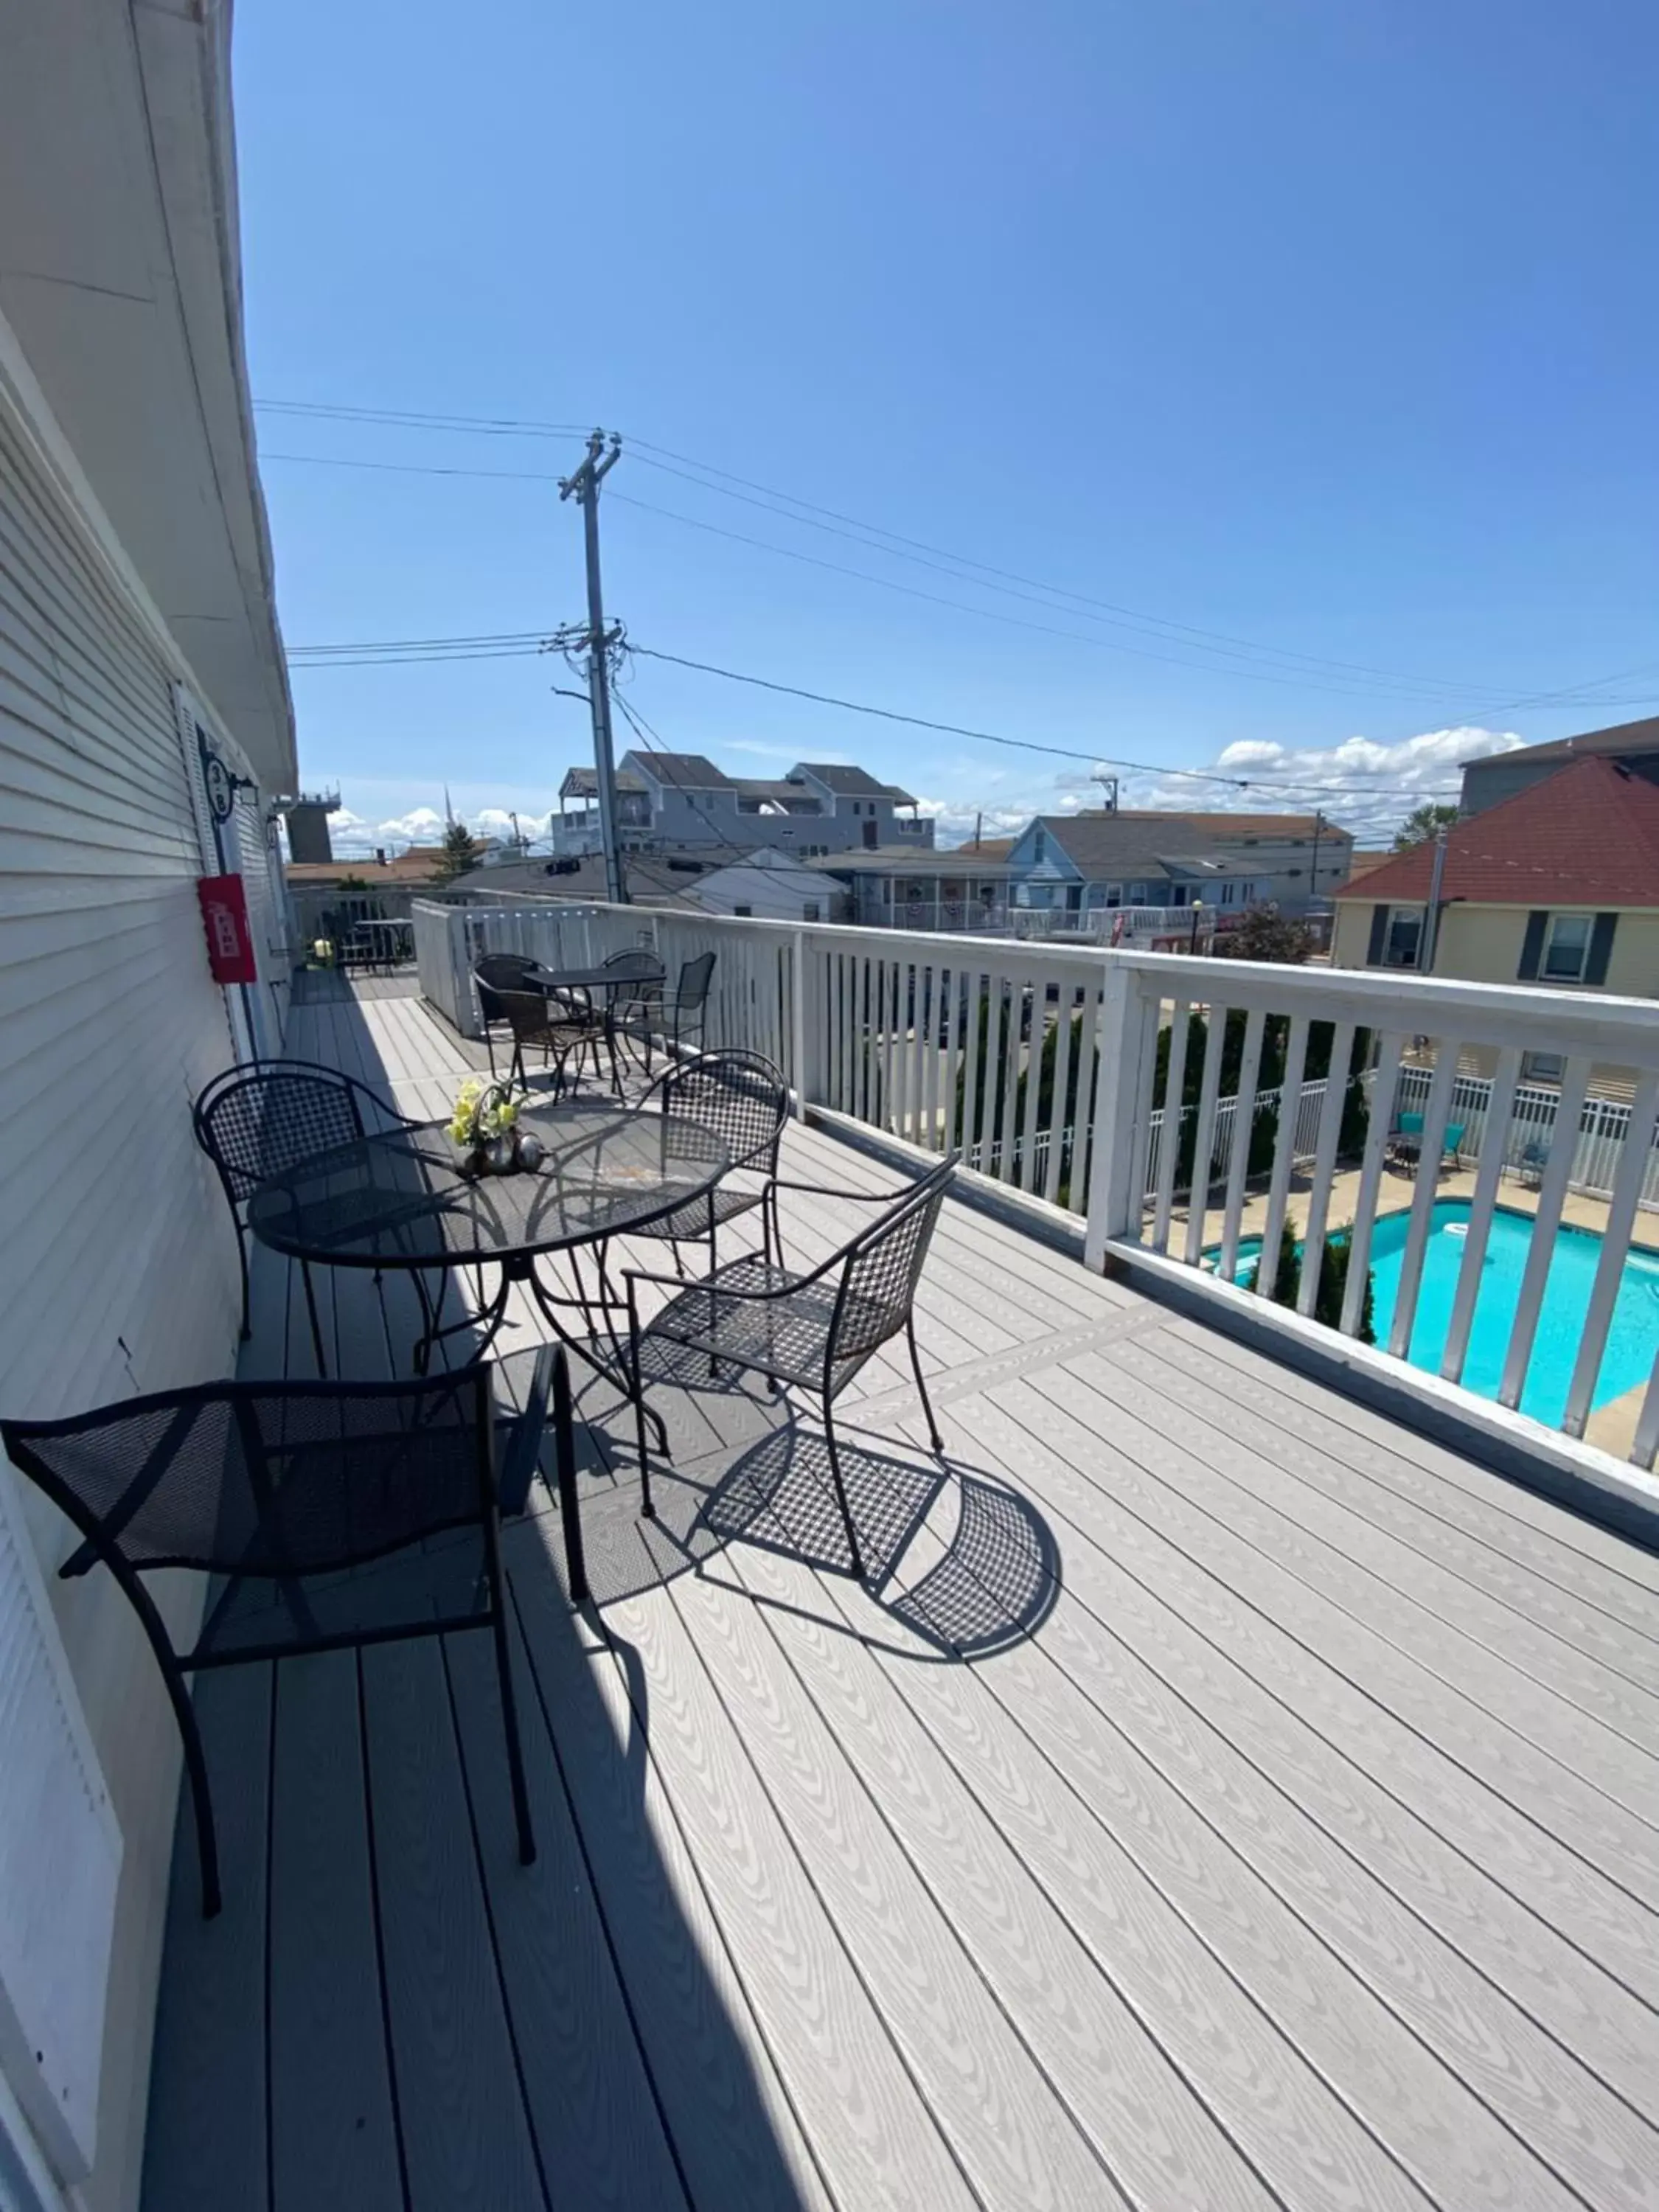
1319 823
1431 929
1108 793
584 488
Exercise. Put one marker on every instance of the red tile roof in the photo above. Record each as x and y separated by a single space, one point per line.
1588 835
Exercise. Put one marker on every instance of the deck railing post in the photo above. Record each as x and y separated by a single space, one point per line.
1123 1100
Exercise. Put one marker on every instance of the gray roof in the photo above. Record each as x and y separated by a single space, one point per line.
852 782
901 861
1113 845
583 782
683 771
651 881
1623 738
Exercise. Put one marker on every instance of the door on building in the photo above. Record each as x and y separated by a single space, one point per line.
872 835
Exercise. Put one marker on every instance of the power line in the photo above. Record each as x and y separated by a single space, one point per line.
871 534
1294 682
841 525
1019 745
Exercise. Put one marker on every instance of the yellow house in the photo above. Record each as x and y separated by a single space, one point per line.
1558 886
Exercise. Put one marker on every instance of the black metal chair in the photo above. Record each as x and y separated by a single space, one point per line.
262 1117
492 972
682 1015
560 1022
632 1014
745 1100
814 1330
288 1491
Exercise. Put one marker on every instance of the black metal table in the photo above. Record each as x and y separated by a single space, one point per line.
401 1199
640 986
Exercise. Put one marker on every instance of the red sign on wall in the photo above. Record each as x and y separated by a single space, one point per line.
229 934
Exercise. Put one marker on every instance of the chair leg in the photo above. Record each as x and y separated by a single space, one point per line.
241 1257
921 1387
841 1493
509 1703
316 1326
648 1509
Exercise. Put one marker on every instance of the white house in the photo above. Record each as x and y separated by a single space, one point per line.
772 886
145 728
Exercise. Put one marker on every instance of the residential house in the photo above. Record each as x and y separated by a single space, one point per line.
1104 859
1488 782
1557 885
893 888
668 799
772 886
146 732
576 826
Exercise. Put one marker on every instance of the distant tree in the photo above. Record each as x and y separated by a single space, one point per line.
461 851
1264 933
1424 823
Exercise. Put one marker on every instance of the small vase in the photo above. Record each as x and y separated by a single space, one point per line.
528 1149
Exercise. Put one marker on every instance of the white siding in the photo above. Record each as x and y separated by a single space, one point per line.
118 1270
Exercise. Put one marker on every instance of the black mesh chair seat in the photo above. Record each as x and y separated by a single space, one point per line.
329 1515
814 1329
774 1322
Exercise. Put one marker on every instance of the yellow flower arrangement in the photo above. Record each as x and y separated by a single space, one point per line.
482 1111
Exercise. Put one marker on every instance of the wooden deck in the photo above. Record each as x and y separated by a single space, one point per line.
1224 1799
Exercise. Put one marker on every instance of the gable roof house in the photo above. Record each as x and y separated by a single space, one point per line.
1106 858
1076 864
1557 885
146 731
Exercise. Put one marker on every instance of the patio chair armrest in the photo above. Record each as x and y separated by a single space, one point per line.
518 1469
833 1190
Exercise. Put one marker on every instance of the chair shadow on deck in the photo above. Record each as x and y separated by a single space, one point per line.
955 1555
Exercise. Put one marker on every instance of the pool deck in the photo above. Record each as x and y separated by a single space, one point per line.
1221 1799
1611 1427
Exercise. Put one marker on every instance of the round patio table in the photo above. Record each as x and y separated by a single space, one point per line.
399 1199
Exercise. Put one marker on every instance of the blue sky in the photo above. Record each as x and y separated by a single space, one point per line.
1329 328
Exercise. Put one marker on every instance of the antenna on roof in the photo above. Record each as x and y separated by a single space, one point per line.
1107 791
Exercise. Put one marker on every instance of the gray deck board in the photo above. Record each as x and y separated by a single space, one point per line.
1290 1837
333 2130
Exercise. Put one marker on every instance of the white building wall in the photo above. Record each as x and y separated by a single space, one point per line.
118 1268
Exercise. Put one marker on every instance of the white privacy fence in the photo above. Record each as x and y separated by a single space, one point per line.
1041 1063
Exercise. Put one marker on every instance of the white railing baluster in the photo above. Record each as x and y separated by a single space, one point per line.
948 1019
1494 1143
1057 1122
1319 1196
1615 1248
1541 1249
1437 1112
992 1074
927 1031
1647 1426
1243 1120
1390 1050
1169 1143
1028 1176
966 1017
1203 1136
1289 1105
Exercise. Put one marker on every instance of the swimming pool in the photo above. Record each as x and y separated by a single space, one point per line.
1632 1339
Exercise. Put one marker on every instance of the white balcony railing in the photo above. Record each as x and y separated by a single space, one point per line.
1046 1065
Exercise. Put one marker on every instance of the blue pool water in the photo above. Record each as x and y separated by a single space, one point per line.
1632 1339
